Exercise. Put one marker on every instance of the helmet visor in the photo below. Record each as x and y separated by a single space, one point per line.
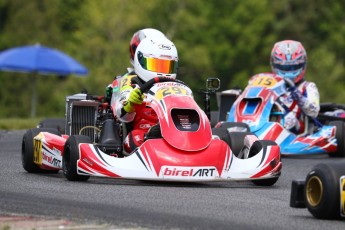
289 67
157 65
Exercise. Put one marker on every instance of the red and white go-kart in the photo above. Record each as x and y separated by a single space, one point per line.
181 147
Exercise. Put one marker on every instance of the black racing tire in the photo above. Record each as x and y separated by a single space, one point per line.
57 123
71 157
27 154
322 190
255 149
340 136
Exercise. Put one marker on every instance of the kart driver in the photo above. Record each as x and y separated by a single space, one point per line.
152 54
289 60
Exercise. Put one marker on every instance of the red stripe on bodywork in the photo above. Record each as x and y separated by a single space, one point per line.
86 151
89 160
94 168
273 133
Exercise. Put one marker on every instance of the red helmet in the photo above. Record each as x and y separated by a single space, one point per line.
289 60
139 36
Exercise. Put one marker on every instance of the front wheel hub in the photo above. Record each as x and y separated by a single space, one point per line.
314 191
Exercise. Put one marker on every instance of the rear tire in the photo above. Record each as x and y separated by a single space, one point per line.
71 156
28 150
340 136
322 190
56 123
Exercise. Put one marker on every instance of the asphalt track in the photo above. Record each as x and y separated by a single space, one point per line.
51 202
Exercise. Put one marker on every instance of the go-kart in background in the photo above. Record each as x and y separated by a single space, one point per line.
328 111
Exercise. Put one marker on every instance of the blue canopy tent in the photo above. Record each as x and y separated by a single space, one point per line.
38 59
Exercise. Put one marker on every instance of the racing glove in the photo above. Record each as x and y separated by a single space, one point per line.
135 97
290 121
295 93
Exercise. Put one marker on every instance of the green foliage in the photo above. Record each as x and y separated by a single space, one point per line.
16 123
231 40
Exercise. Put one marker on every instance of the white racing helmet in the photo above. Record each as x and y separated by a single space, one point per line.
141 35
155 57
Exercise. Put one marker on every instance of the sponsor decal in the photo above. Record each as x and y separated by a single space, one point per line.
188 172
37 157
177 84
51 160
342 196
184 121
164 47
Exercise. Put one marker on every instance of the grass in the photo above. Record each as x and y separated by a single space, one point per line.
18 123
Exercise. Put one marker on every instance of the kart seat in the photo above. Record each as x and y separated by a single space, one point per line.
154 132
258 145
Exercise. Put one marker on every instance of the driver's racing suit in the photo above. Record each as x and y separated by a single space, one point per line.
139 125
304 100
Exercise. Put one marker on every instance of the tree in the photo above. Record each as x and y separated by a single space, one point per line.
231 40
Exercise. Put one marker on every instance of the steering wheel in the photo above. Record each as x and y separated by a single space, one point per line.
147 85
289 83
145 88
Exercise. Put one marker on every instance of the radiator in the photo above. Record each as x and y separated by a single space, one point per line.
81 116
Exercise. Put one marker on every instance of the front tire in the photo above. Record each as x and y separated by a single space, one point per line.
322 190
71 157
28 150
